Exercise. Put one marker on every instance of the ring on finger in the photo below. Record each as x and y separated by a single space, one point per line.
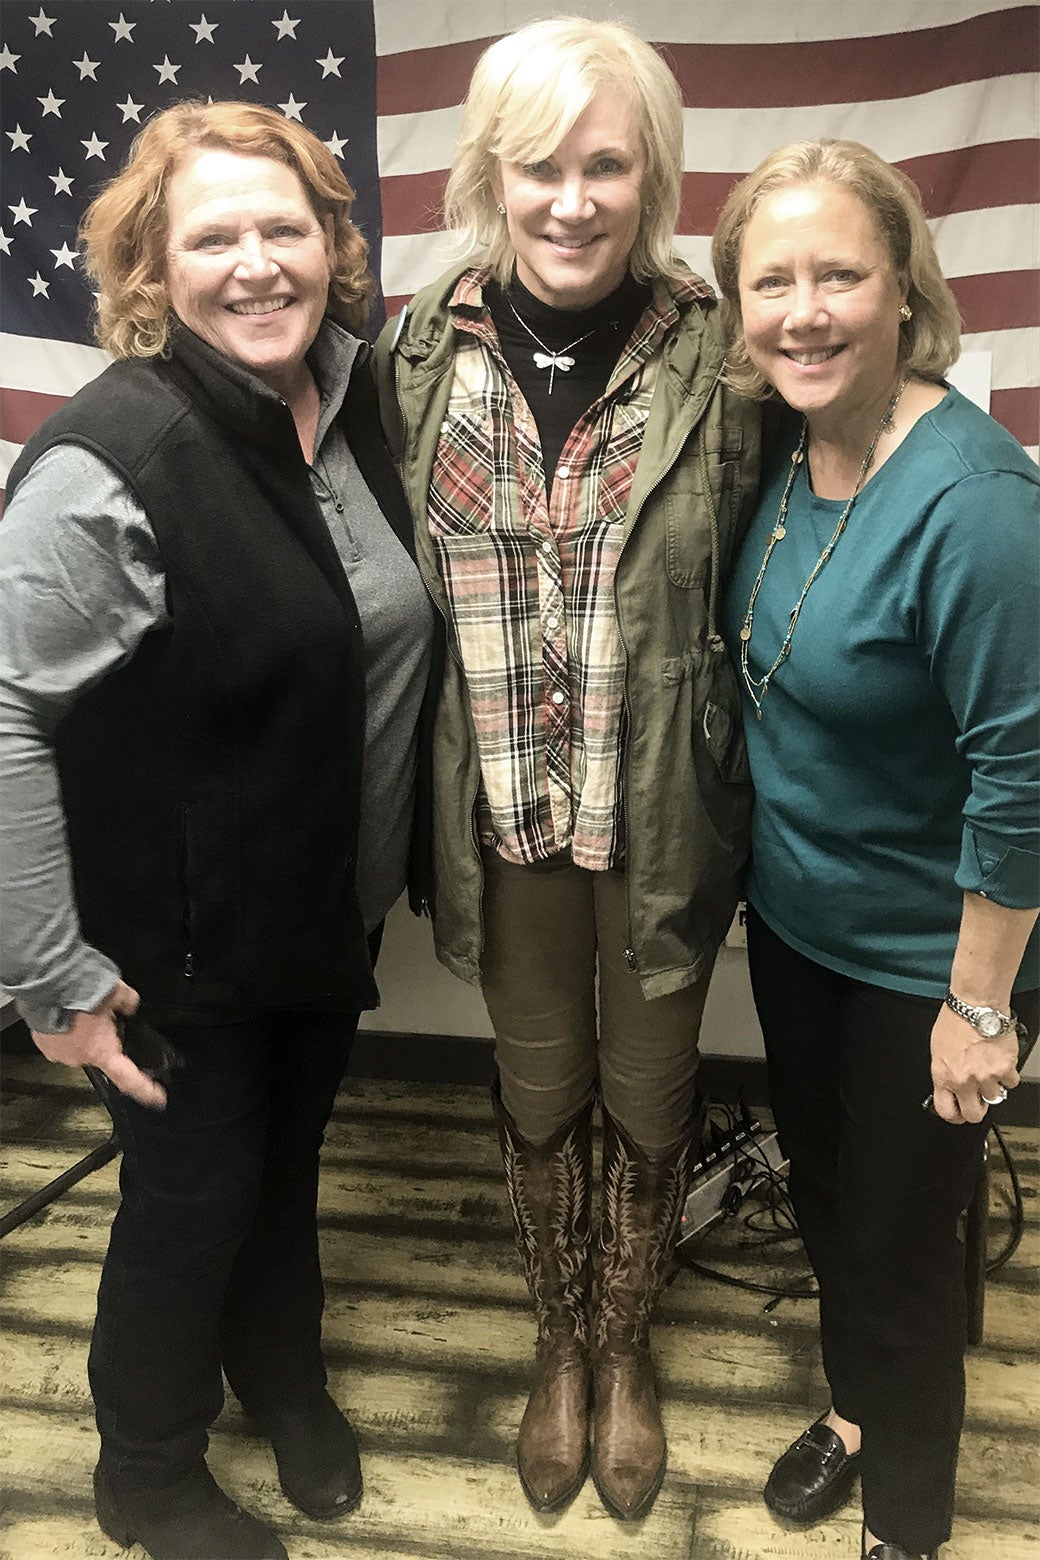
999 1099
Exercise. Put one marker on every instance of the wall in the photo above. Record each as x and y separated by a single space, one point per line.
421 997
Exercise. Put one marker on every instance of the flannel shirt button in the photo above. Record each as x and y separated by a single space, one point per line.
563 472
557 697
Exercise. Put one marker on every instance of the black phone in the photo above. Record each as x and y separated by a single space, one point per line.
147 1047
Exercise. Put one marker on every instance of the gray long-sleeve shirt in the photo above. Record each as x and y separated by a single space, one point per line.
81 583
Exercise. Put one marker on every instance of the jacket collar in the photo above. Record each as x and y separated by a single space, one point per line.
225 391
240 401
426 336
679 305
671 293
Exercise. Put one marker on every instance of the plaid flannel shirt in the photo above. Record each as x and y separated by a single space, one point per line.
530 580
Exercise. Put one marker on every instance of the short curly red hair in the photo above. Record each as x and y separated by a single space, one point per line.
124 230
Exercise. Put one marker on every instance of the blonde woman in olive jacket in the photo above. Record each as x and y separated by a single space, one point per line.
577 508
685 768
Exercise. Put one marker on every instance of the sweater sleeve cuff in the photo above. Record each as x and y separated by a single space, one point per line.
50 1012
1007 874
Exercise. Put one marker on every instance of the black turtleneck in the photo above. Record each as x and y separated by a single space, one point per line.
606 327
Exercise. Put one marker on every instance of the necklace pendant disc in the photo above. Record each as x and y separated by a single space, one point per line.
745 634
780 533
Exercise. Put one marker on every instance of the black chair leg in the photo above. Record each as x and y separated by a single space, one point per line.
92 1161
976 1227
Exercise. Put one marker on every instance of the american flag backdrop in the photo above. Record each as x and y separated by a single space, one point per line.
947 89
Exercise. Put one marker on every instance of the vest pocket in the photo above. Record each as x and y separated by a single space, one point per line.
206 897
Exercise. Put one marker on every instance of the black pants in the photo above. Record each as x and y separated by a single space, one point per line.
213 1263
878 1186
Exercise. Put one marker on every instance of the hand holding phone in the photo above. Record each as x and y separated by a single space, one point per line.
148 1048
108 1042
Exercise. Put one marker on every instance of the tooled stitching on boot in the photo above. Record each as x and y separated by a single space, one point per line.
560 1297
627 1293
571 1236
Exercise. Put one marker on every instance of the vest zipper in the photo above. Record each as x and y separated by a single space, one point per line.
182 873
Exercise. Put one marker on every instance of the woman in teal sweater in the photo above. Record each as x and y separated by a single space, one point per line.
884 616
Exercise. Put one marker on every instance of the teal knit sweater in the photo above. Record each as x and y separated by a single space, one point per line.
896 763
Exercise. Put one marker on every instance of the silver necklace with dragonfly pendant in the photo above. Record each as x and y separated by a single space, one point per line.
551 360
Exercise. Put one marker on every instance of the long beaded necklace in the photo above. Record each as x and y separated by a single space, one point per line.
551 360
777 534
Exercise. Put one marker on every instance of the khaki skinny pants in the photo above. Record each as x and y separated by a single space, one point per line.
549 930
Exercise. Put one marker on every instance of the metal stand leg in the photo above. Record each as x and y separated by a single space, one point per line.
93 1161
976 1227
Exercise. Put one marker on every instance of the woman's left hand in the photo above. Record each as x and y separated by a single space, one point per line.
966 1067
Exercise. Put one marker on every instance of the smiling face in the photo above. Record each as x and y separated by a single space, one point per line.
573 217
248 262
819 302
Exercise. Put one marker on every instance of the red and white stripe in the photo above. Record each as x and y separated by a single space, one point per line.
947 89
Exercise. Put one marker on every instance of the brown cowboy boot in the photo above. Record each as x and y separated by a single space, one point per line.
643 1201
548 1188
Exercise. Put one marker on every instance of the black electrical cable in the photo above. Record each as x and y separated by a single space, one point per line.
1018 1213
781 1213
778 1206
746 1283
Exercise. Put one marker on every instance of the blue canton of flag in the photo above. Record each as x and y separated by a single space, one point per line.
80 78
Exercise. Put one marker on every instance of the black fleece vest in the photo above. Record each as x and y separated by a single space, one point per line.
211 786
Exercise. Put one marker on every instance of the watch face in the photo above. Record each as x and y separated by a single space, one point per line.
989 1024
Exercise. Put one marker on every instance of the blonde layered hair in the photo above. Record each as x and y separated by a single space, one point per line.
527 91
930 341
125 229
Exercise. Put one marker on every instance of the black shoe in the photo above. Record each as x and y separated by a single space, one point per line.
190 1520
891 1551
316 1450
813 1477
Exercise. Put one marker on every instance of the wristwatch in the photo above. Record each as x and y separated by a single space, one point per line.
989 1022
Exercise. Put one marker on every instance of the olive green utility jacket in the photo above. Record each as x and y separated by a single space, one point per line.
687 797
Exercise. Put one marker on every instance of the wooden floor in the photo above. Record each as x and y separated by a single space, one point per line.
428 1340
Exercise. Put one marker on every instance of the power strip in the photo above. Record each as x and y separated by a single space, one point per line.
725 1172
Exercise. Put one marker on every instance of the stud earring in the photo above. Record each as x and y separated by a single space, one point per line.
500 209
905 312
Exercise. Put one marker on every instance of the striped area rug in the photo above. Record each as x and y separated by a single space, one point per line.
428 1340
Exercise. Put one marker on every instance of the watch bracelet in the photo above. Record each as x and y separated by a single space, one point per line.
969 1011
